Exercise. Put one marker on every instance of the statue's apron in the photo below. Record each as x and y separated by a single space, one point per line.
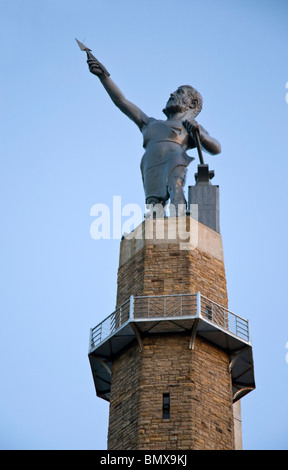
164 157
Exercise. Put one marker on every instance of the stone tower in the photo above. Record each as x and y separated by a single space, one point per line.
172 360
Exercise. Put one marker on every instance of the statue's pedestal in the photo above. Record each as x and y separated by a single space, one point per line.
206 196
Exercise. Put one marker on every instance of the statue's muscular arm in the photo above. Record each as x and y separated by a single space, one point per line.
129 109
208 143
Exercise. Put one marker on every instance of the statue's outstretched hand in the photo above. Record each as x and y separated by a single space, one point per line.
191 126
94 67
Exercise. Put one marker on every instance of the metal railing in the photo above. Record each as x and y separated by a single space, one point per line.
165 306
169 306
108 326
222 317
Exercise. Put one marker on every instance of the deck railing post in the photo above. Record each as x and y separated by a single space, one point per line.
198 301
131 310
91 343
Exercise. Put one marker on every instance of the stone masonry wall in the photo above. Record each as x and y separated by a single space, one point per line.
200 410
164 269
125 400
199 384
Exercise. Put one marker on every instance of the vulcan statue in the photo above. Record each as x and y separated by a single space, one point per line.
165 161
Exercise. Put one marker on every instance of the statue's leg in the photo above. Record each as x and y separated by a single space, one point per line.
154 200
156 206
176 192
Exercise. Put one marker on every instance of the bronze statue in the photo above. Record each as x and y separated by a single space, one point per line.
164 163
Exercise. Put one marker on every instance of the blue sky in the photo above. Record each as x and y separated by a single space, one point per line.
65 147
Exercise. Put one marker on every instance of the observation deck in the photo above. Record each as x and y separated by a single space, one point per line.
182 313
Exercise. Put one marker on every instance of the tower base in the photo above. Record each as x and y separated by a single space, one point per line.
197 384
174 362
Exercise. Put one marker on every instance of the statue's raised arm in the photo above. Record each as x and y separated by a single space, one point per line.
116 95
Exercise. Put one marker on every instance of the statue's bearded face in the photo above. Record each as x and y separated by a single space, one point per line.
179 101
183 99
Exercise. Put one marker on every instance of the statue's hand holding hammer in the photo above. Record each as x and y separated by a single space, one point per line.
191 127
